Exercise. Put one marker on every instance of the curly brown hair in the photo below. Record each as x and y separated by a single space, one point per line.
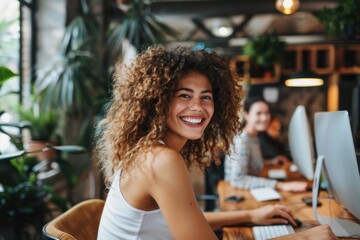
136 118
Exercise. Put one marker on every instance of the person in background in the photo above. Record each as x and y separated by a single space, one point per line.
245 162
168 111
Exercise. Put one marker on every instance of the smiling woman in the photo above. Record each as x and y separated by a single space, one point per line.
168 112
244 164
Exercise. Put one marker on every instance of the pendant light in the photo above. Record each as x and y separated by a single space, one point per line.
305 79
287 7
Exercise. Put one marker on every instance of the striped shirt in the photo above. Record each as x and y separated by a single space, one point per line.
244 163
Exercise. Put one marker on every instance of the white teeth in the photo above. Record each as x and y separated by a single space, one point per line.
192 120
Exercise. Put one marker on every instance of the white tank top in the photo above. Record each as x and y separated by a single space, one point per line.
120 220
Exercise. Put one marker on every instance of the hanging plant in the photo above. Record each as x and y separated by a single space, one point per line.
266 50
344 20
137 25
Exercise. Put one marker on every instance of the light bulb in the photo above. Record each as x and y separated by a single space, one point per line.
287 6
223 31
221 27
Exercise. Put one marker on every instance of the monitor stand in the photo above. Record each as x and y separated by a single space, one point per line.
340 227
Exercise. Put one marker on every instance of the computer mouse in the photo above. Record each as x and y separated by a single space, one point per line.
298 222
234 198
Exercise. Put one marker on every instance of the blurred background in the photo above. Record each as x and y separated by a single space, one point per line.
56 59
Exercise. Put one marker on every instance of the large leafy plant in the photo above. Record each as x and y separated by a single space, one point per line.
27 202
138 26
77 80
73 77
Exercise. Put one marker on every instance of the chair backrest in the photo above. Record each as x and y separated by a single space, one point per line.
79 222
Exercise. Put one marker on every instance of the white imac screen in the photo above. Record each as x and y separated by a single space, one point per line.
301 142
334 141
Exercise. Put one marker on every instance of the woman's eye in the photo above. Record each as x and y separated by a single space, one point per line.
207 97
184 96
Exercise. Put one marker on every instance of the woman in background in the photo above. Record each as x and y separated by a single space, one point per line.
245 162
168 112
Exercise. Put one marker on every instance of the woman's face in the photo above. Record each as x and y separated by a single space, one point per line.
191 107
258 117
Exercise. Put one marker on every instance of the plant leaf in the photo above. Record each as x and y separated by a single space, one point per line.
9 156
71 149
5 74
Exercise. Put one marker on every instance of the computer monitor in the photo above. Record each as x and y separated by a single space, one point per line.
301 143
335 148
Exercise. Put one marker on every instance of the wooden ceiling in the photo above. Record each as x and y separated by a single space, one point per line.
217 8
194 19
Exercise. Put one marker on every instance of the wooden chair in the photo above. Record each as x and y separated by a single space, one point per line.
79 222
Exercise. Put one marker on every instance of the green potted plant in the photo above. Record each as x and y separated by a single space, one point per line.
27 202
76 81
342 21
42 127
265 51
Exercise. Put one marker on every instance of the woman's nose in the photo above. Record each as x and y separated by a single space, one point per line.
196 105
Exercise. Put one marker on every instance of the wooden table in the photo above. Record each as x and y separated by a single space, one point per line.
292 200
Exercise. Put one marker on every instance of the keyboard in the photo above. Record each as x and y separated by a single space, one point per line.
265 194
272 231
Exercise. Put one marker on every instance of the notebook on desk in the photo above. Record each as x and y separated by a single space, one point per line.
277 174
265 194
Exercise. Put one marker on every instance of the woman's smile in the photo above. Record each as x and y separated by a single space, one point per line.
193 121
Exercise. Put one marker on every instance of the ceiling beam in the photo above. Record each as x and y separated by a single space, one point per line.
240 27
217 8
200 25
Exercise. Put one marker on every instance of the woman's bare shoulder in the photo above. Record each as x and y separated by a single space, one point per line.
163 159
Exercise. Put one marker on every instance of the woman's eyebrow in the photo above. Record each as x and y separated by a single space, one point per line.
207 91
191 90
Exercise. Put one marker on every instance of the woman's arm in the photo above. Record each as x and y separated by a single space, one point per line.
170 186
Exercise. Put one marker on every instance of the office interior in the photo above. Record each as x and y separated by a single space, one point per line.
57 57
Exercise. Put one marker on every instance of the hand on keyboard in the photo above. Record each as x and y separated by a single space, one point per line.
272 214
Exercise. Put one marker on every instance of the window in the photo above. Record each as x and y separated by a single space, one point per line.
9 57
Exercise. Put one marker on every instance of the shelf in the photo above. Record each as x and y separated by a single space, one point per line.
333 60
348 59
245 69
319 59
